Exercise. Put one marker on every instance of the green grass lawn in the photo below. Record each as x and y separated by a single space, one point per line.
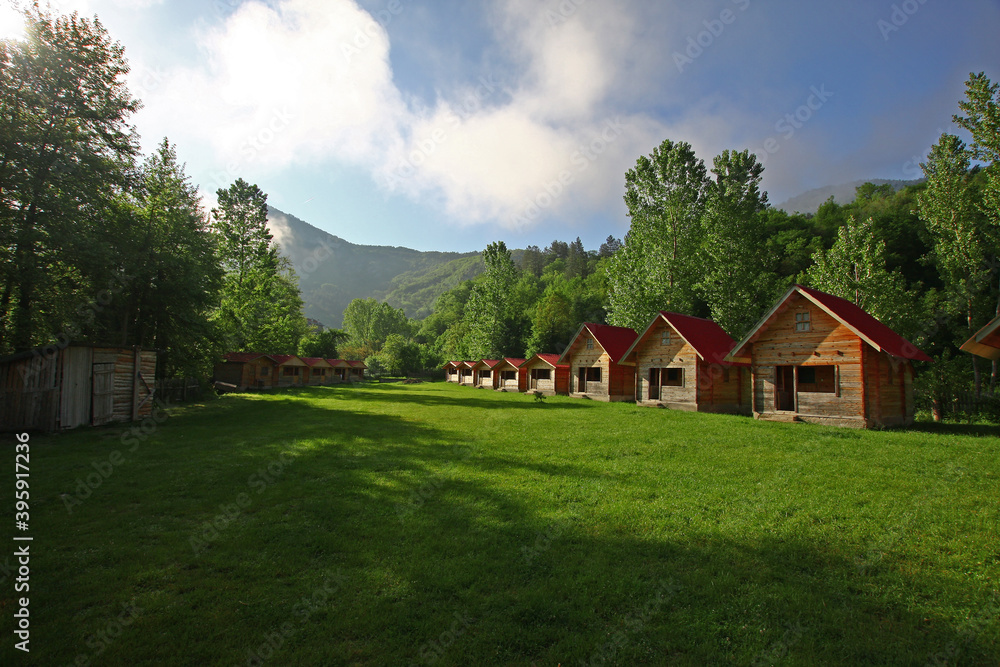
434 524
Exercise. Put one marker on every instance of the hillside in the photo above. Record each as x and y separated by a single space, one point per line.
333 271
809 202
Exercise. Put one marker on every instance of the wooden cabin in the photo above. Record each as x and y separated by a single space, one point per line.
247 370
451 371
546 375
61 387
465 373
510 376
338 370
291 370
594 357
986 341
819 358
679 363
483 374
319 371
356 372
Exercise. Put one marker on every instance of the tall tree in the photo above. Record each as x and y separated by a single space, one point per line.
65 153
490 313
657 265
738 276
369 322
261 309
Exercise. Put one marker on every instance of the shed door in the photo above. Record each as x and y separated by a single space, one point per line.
104 393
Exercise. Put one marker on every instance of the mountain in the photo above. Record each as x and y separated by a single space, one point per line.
333 271
809 202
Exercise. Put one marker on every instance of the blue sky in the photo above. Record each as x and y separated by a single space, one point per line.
446 125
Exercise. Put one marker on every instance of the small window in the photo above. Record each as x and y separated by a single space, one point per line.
265 371
542 373
673 377
317 371
802 321
507 375
288 370
484 374
593 375
665 337
590 343
818 379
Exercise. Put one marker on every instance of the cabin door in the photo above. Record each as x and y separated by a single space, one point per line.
582 381
784 388
654 384
104 393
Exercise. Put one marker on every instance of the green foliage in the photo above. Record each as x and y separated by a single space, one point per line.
66 152
491 314
261 308
369 323
400 356
322 343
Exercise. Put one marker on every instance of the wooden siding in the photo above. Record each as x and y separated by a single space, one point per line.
518 382
617 382
558 382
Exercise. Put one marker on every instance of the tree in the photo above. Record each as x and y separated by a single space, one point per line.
855 269
369 322
65 153
610 246
400 356
261 308
656 268
322 344
490 314
959 231
737 275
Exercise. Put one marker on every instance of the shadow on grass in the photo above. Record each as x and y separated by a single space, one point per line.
447 555
483 399
952 428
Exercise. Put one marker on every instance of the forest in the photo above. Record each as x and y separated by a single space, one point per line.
99 243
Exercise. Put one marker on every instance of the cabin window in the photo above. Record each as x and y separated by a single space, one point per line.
673 377
542 373
290 370
507 375
818 379
484 374
590 343
665 337
802 321
265 371
593 375
317 371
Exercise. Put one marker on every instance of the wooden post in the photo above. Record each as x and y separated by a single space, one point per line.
864 380
795 388
136 370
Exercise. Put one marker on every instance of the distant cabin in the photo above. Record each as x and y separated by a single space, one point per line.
510 376
320 370
986 341
546 375
53 388
451 371
247 370
465 373
483 374
291 370
356 372
818 358
679 362
594 357
339 370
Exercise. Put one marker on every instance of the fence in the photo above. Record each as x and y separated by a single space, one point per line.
179 390
961 405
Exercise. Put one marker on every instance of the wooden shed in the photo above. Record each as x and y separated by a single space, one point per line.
483 374
819 358
291 370
451 371
465 373
56 388
510 376
680 363
595 356
357 370
338 370
546 375
986 341
246 370
319 371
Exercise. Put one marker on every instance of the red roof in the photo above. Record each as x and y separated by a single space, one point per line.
851 316
513 361
467 364
550 359
490 363
340 363
312 361
242 357
452 363
283 358
708 339
615 340
357 364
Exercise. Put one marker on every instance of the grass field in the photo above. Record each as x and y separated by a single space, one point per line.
434 524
